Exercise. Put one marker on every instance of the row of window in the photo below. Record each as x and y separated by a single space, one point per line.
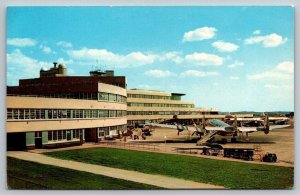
20 113
103 131
166 113
88 96
111 97
160 105
148 96
63 135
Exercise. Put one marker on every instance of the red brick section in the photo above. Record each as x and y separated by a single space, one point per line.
67 84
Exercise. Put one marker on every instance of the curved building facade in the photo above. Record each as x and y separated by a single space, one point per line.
65 110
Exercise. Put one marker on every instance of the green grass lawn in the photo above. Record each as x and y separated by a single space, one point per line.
28 175
236 175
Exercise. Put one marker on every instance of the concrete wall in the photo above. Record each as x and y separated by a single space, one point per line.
157 101
45 125
111 89
60 103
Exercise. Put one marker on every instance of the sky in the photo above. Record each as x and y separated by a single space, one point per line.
233 58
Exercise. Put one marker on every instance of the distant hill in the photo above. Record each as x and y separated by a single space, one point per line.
274 113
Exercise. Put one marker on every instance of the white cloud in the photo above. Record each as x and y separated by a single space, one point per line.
199 34
109 58
285 66
64 44
159 73
234 78
256 32
283 71
148 87
204 59
196 73
21 42
278 87
225 46
271 40
236 64
171 56
20 66
46 49
63 61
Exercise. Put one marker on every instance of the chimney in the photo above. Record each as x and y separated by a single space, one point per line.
55 63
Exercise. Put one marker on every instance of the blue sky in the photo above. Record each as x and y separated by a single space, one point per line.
228 58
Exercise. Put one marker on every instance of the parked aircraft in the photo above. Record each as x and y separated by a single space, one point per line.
218 127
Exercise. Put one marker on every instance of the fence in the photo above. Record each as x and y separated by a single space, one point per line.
131 145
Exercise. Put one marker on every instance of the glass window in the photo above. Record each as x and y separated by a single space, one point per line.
112 113
50 114
103 96
95 113
38 113
9 113
42 113
64 135
50 134
112 97
59 135
54 135
54 114
15 113
27 113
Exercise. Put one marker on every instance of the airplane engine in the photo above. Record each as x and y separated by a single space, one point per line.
180 128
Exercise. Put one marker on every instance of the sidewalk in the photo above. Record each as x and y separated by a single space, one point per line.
156 180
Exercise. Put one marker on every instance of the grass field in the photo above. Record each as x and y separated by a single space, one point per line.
28 175
235 175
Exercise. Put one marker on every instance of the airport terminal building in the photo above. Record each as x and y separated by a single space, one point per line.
58 110
155 106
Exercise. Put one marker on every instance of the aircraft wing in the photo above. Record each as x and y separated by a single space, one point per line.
215 128
162 125
278 126
247 129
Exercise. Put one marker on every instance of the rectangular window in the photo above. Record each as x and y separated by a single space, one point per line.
101 132
50 114
38 113
15 113
27 113
64 135
103 113
54 114
95 113
50 134
112 113
54 135
64 114
9 113
42 114
59 135
103 96
112 97
69 114
73 131
38 134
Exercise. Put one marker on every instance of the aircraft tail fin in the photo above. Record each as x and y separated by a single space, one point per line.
235 123
266 124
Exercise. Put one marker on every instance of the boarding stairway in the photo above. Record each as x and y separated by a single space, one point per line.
206 138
